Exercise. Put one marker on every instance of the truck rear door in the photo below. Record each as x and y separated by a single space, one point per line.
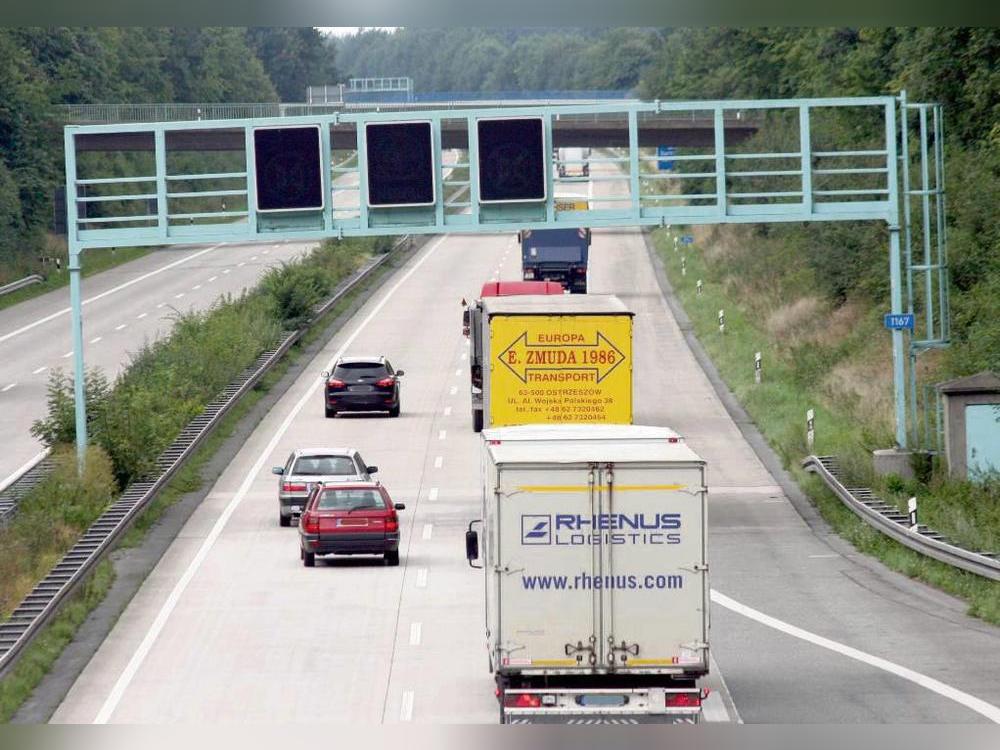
549 609
654 563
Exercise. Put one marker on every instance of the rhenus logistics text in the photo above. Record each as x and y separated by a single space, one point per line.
573 529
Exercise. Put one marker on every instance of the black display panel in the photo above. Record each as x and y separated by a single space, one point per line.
400 164
288 168
511 160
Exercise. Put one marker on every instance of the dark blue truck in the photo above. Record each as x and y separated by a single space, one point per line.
556 255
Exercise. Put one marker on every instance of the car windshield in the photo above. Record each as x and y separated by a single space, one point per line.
350 499
324 466
352 372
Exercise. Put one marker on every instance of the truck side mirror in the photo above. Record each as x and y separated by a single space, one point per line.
371 469
519 237
472 545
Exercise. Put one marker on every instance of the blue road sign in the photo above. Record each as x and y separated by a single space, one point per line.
686 239
898 322
665 151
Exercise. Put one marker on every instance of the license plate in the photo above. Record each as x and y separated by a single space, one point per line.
296 509
361 389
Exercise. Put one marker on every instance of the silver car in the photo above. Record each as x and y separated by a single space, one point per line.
308 465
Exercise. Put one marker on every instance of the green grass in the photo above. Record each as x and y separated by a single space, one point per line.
94 261
38 658
791 385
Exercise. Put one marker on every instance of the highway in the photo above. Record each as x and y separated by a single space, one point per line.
231 628
123 308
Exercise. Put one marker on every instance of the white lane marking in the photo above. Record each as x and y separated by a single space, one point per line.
253 257
458 371
969 701
438 461
96 297
123 325
823 557
212 278
447 409
139 656
140 316
7 387
415 633
406 706
241 264
421 578
9 480
179 295
265 252
43 368
453 390
732 713
161 304
428 530
67 355
442 434
433 494
96 339
465 355
196 287
226 270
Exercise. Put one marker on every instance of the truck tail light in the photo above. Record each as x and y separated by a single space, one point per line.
522 700
385 382
392 523
529 274
683 700
291 487
580 270
334 383
310 523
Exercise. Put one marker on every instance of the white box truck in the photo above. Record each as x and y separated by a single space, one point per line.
593 543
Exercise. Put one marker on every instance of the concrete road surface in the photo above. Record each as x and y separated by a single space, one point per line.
231 628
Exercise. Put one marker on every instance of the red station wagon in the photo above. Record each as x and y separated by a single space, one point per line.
350 519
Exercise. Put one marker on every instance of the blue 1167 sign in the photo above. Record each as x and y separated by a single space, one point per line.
898 321
665 164
686 239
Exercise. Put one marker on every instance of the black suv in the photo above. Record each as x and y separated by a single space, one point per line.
362 384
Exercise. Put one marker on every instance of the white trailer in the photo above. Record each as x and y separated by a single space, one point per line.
593 542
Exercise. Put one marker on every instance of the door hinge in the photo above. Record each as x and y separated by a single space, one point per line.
626 650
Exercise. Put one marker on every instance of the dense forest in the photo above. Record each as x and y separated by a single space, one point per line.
40 68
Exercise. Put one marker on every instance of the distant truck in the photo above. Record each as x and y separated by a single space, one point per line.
573 162
556 255
593 544
537 355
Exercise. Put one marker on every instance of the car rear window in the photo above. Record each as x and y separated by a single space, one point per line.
348 499
355 371
324 466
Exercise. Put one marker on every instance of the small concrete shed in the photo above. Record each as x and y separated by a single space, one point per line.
972 424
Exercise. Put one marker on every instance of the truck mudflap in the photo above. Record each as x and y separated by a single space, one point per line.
601 706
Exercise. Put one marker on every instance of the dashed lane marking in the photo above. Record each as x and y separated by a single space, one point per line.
442 434
438 462
453 390
67 355
406 706
120 327
447 409
118 288
415 633
96 339
163 615
43 368
140 316
427 532
432 495
421 578
7 387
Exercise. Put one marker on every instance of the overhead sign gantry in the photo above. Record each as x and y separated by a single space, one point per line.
381 173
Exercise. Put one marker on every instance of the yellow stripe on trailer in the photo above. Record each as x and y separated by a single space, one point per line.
553 662
600 487
651 662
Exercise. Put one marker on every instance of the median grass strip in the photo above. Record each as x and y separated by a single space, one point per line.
169 381
832 359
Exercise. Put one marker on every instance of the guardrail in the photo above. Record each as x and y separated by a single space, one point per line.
894 523
20 284
45 599
11 493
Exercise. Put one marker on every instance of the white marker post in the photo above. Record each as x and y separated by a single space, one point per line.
698 286
675 244
756 368
722 321
810 428
684 269
911 507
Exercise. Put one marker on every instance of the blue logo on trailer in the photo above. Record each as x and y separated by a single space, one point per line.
686 239
898 321
665 151
536 529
